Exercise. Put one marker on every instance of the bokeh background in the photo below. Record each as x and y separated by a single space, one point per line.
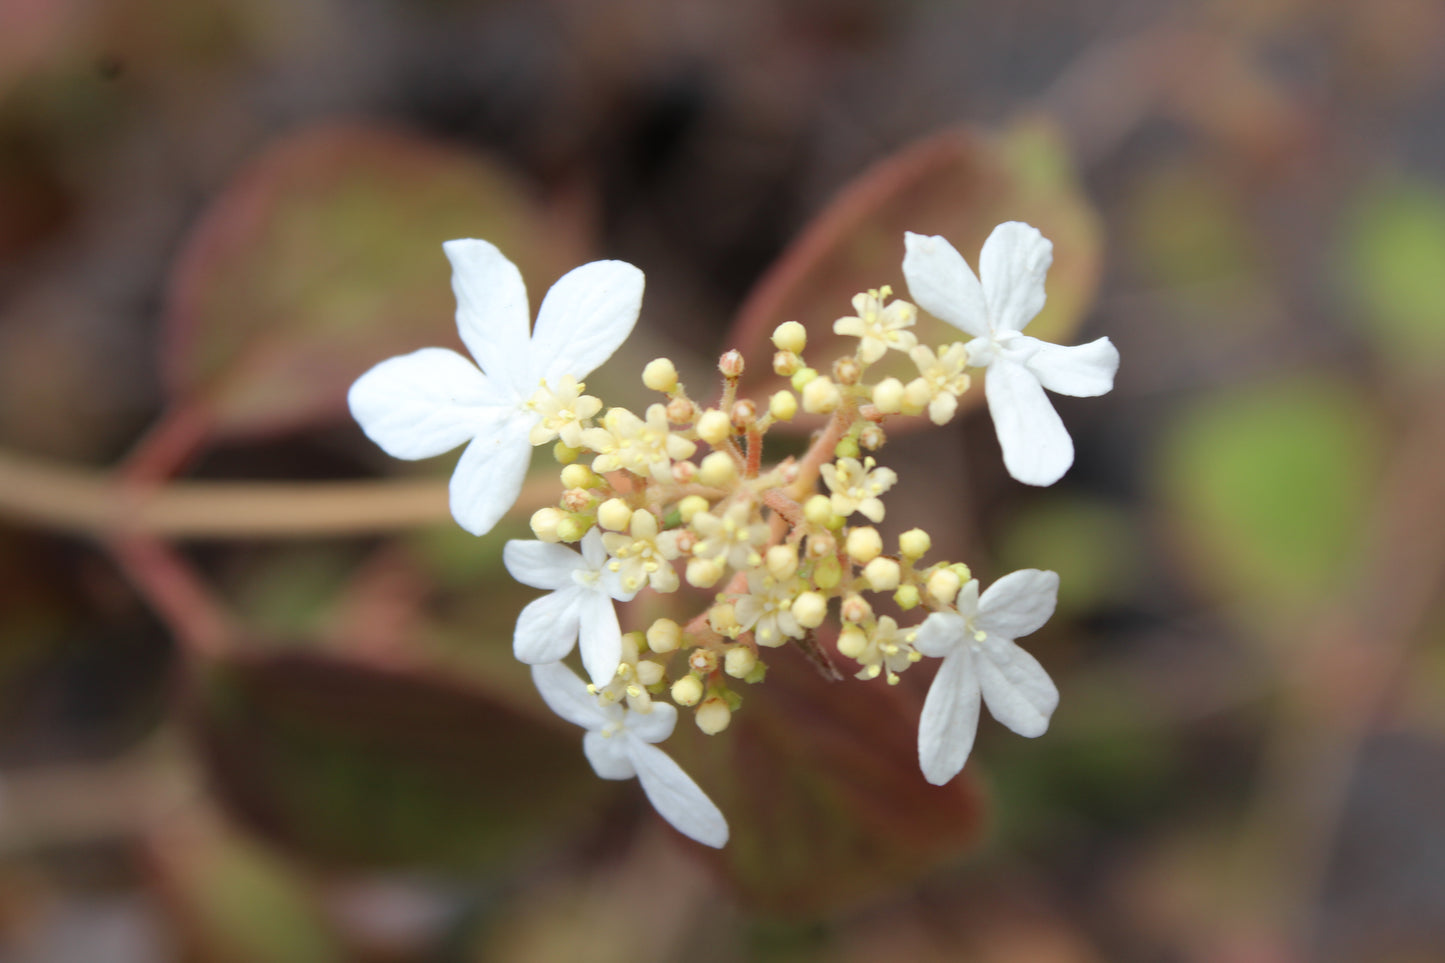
256 694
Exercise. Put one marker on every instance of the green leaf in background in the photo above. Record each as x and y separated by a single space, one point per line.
323 258
356 764
1267 486
237 902
1394 246
960 185
820 784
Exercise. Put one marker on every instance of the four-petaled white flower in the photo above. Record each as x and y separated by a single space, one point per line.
432 400
619 745
979 656
1037 448
578 608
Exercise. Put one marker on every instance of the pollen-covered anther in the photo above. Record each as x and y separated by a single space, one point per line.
731 364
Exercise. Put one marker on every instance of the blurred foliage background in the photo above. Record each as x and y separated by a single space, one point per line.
257 701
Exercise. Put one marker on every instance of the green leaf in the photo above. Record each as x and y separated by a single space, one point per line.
1394 244
324 258
1267 486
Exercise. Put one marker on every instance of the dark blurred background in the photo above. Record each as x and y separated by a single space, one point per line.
233 730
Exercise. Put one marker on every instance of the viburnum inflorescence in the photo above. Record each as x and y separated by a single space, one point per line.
680 493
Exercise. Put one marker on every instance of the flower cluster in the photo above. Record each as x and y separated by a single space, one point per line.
680 493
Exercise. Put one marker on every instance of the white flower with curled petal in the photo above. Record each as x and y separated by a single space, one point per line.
619 745
432 400
980 659
994 307
578 611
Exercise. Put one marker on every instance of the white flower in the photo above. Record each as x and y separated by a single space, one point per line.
619 745
579 606
979 656
1036 446
432 400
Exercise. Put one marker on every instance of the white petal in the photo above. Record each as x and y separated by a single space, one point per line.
567 695
584 318
950 718
676 797
492 314
600 637
940 634
1019 603
940 282
594 553
489 475
547 628
1012 266
654 725
1018 691
609 754
1082 371
422 404
1037 450
540 564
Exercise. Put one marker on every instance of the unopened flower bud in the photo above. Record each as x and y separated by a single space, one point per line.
545 522
818 510
847 371
690 506
614 514
854 608
882 574
570 529
821 396
827 573
714 427
718 470
660 375
847 447
744 414
565 454
943 586
914 543
786 364
703 572
578 475
713 716
864 544
810 608
649 673
916 396
724 619
790 336
962 571
852 641
731 364
740 661
888 396
906 597
783 405
664 636
687 691
680 411
684 472
576 499
781 561
801 378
